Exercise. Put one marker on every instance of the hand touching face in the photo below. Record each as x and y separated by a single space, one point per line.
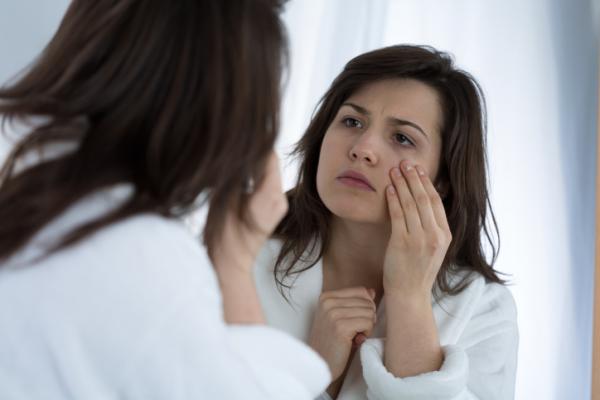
266 207
420 233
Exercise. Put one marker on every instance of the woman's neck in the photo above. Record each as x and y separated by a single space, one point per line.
354 256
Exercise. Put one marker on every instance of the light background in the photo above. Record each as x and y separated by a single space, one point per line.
537 61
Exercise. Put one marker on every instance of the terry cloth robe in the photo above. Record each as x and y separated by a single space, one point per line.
477 330
135 312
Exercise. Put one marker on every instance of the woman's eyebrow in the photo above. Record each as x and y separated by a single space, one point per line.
398 121
357 108
392 120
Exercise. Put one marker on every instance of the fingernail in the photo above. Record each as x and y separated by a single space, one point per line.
420 170
408 167
396 172
356 340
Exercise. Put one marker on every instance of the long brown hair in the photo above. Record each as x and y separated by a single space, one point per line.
177 98
462 166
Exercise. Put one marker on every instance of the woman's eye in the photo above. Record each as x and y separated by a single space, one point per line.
403 139
351 123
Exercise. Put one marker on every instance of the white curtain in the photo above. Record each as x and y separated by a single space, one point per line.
537 62
26 26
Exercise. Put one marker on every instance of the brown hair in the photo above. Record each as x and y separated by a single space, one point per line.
462 166
177 98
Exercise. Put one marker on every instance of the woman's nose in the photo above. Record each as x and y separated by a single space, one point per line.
363 150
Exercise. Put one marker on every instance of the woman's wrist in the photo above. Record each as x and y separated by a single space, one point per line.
241 304
233 263
232 260
413 345
407 298
236 281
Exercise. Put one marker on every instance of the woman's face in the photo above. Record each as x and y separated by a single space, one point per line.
377 127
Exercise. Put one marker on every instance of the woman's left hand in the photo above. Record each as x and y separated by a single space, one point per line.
420 234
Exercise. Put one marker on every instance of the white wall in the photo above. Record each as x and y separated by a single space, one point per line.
25 28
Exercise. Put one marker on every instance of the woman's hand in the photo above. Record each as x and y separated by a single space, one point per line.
267 205
344 319
417 247
235 253
420 234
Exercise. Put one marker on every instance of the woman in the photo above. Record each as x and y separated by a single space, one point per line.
382 246
141 110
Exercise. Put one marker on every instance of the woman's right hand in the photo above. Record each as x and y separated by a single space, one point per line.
234 255
240 243
344 318
268 203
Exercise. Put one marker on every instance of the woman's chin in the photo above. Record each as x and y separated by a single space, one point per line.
352 212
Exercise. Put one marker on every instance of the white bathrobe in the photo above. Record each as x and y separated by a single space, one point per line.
135 312
478 335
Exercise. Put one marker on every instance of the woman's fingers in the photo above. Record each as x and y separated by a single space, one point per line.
437 205
418 204
268 203
349 304
395 209
419 195
357 291
341 313
340 316
407 202
359 339
348 328
331 303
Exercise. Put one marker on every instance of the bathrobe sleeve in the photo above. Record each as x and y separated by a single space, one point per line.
480 365
191 353
195 356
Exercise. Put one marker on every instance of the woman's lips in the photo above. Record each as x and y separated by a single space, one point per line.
355 179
